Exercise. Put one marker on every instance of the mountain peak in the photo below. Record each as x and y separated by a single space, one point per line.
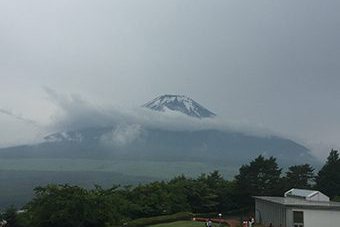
180 103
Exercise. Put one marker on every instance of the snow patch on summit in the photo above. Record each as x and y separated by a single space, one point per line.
64 136
181 104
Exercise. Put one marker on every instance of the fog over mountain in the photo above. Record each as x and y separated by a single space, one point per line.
96 92
269 64
86 143
74 112
177 133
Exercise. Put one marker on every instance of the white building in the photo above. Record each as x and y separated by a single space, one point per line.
298 208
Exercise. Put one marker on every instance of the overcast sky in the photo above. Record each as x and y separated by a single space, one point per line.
275 64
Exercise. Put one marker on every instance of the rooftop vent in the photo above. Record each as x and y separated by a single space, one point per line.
307 195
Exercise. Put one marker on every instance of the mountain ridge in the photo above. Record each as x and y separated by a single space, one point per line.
137 140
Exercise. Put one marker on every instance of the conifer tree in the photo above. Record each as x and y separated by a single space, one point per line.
260 177
328 179
299 176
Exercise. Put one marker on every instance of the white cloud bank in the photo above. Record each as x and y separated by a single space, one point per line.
74 112
122 135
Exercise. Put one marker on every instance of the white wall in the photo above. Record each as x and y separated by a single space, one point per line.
270 213
318 218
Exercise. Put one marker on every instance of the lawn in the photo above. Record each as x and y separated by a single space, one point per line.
180 224
184 224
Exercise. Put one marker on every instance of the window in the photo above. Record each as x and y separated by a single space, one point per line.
298 218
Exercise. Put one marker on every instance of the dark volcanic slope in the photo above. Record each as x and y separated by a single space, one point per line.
157 144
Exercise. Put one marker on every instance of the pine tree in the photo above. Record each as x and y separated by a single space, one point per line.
260 177
299 176
328 179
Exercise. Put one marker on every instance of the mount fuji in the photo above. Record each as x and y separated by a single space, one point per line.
135 152
138 141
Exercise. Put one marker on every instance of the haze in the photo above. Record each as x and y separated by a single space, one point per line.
269 64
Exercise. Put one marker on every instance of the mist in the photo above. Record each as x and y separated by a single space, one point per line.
270 65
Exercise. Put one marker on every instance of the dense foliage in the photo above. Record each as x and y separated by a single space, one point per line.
328 178
68 206
299 176
260 177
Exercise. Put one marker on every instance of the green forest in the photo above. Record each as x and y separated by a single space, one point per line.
73 206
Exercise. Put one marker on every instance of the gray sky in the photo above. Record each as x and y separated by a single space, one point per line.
274 64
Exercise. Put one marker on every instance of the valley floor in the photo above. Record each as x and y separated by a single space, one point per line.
20 176
153 169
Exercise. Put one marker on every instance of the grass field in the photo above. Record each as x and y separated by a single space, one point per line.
181 224
184 224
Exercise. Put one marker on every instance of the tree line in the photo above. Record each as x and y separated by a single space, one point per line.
69 206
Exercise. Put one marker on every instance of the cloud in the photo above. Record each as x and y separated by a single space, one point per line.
74 112
18 117
122 135
17 130
320 149
246 60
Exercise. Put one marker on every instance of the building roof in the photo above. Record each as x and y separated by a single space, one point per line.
307 194
300 192
298 202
